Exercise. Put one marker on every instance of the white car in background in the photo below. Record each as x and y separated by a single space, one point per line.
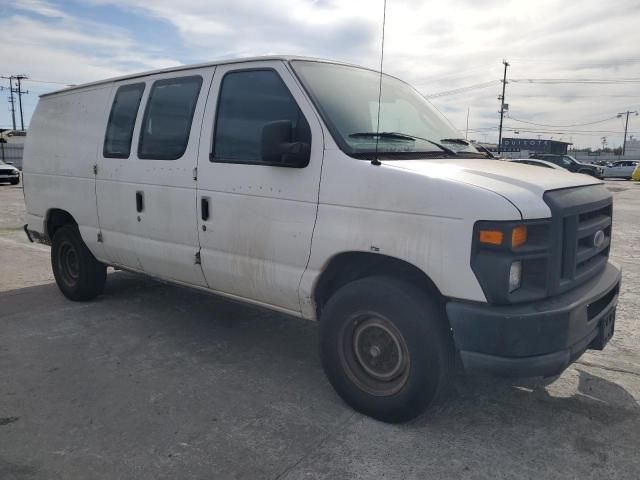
620 169
9 173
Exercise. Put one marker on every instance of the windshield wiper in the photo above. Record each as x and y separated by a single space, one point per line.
466 143
459 141
403 136
399 136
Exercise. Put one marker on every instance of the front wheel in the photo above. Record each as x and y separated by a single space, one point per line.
77 272
15 181
385 348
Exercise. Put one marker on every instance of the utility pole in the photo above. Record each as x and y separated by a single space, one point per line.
466 135
604 142
20 93
501 98
12 101
626 126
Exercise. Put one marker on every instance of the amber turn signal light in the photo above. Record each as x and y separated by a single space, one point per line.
518 236
491 237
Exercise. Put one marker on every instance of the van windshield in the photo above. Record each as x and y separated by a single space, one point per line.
347 99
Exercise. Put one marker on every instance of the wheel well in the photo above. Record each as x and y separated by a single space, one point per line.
349 266
56 218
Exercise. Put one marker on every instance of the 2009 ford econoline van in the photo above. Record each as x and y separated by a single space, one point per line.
271 180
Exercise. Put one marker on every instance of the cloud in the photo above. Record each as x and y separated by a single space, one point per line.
437 46
56 46
39 7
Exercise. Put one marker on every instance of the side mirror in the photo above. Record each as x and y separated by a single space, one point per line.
278 148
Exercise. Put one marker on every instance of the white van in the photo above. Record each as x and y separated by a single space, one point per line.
268 180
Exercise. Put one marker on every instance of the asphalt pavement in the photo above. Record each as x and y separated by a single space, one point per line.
153 381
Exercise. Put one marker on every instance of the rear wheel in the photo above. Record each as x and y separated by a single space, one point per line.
385 348
77 272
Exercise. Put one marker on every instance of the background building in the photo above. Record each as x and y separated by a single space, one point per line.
534 145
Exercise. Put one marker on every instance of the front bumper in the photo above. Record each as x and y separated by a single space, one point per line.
5 177
540 338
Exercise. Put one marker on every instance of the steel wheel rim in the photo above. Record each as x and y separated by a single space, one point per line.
374 354
69 263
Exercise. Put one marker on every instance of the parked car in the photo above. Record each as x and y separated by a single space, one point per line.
570 163
537 163
9 173
636 174
262 180
620 169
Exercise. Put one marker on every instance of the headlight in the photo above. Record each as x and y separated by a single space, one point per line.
510 259
517 233
515 276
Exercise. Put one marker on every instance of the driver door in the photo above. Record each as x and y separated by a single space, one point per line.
256 219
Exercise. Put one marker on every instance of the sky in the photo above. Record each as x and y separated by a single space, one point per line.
573 65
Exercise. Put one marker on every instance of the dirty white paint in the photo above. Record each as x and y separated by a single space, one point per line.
271 230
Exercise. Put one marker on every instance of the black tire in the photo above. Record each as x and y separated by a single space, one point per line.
15 182
78 274
365 327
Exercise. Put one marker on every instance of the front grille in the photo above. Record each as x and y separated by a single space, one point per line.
581 229
589 224
6 171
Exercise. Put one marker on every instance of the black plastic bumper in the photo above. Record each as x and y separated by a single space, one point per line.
536 339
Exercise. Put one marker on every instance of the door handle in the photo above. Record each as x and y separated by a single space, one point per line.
139 201
204 208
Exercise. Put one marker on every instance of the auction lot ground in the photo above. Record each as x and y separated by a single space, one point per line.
152 381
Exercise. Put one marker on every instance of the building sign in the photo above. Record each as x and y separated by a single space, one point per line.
537 145
503 149
526 143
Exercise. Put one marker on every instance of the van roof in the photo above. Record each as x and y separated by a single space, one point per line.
178 68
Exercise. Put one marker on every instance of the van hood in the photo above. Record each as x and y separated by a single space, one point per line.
523 185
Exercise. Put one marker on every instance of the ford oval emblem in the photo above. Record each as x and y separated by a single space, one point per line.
598 239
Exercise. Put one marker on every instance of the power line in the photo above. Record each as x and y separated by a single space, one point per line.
562 126
576 81
68 84
557 95
462 89
554 131
45 81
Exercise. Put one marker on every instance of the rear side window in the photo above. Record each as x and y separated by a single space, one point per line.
249 100
168 117
117 140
